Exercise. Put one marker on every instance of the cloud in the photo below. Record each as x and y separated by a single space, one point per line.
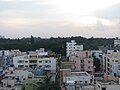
109 13
19 18
14 0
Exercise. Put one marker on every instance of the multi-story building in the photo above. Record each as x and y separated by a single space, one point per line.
117 42
14 80
108 61
115 69
6 58
35 60
83 61
71 46
97 53
73 80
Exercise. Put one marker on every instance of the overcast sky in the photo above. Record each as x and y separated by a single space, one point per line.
53 18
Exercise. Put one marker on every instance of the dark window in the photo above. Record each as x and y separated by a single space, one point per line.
85 81
103 88
33 61
108 60
26 61
89 67
86 54
40 61
81 61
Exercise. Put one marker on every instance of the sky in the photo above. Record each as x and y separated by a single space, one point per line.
64 18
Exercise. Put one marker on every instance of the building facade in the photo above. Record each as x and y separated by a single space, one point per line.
83 61
35 61
110 61
71 46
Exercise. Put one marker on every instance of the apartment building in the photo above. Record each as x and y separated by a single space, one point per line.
115 69
110 61
97 53
116 42
69 79
35 60
72 46
6 57
83 61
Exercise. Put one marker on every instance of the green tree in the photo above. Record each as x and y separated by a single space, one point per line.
47 84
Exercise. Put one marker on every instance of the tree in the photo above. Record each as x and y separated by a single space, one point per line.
47 84
32 40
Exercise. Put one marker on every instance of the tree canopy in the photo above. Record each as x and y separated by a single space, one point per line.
57 45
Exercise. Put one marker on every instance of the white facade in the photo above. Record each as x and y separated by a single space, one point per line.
116 68
19 61
116 43
108 60
97 53
17 77
47 63
71 46
42 52
78 78
5 52
23 74
110 51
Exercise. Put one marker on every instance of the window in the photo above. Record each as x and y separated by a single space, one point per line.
88 61
108 60
116 61
46 61
104 88
89 67
20 65
33 61
26 66
33 56
26 61
85 81
20 61
81 61
40 66
87 54
40 61
48 66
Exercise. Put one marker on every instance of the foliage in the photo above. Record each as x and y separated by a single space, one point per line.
47 84
96 64
57 45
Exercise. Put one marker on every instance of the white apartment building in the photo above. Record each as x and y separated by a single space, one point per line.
97 53
42 52
71 46
116 42
108 61
78 78
115 69
35 61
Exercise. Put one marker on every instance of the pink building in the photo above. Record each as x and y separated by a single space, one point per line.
83 61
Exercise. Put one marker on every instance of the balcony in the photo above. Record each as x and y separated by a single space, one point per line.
33 57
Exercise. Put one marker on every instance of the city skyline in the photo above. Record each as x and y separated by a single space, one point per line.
53 18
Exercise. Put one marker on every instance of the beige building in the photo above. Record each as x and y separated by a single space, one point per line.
107 61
